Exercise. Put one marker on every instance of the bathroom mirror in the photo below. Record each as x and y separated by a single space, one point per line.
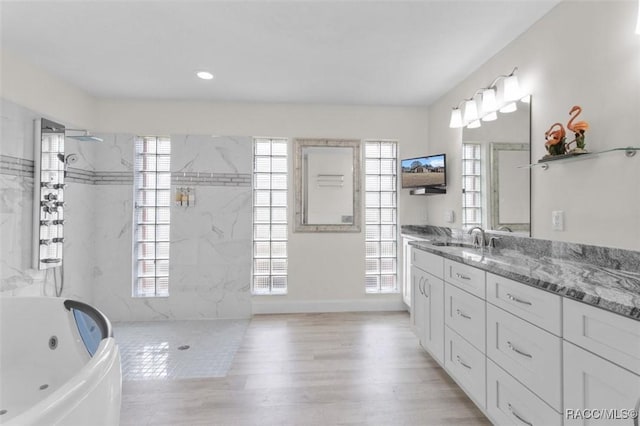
496 189
327 185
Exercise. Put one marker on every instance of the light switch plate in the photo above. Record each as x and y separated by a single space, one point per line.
557 220
449 216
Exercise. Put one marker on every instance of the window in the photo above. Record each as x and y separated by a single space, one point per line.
152 192
471 185
270 216
381 217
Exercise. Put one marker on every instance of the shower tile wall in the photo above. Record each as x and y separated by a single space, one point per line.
17 277
210 242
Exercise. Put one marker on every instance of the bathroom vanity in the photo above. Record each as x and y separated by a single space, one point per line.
529 331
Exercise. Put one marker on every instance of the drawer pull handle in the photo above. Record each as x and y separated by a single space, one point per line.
515 299
518 416
463 277
518 351
462 362
462 314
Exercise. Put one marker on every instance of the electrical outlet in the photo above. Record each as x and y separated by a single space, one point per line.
557 220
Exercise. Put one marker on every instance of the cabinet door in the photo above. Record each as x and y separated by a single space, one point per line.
614 337
433 289
465 314
428 262
466 365
465 277
510 403
417 277
537 306
592 383
407 282
530 354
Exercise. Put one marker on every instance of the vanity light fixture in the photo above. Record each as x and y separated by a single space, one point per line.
205 75
492 100
638 24
456 118
470 110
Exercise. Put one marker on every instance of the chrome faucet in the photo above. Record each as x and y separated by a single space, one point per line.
477 243
504 228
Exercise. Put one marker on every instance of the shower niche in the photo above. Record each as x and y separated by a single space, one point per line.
48 193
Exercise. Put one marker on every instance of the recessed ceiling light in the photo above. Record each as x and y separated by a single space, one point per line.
205 75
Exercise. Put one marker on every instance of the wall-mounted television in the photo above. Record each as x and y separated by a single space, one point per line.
423 172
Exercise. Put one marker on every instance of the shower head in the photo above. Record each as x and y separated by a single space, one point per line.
84 136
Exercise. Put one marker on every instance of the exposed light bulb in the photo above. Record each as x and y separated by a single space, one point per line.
489 103
510 107
205 75
474 124
511 90
456 118
470 111
490 117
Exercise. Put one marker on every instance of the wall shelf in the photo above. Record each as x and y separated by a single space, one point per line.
629 151
428 190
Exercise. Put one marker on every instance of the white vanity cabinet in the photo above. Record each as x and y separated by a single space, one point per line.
530 354
428 301
601 363
524 355
465 328
510 403
592 383
465 314
467 365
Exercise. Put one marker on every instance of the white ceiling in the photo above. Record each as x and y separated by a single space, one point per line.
340 52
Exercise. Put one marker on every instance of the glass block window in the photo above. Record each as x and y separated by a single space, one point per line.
381 229
152 192
270 216
471 185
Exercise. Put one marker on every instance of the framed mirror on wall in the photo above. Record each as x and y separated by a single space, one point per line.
496 190
327 185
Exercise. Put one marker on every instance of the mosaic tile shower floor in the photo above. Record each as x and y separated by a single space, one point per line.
149 350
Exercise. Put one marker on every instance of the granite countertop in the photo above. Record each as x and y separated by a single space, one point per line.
611 289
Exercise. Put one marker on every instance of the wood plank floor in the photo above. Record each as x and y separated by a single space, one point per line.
312 369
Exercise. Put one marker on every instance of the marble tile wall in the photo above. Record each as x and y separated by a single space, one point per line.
211 241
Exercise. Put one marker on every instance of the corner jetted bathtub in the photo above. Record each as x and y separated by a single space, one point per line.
59 364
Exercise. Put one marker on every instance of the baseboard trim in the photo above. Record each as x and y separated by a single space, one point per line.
261 306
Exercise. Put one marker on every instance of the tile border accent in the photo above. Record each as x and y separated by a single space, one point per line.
22 167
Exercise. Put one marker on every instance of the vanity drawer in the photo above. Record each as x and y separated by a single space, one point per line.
465 314
466 277
609 335
509 403
466 365
528 353
428 262
537 306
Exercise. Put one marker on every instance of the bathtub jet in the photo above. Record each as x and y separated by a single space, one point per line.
59 364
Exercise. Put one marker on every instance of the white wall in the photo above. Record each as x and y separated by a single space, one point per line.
326 271
36 90
581 53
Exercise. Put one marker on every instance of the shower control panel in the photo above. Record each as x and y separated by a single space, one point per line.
48 190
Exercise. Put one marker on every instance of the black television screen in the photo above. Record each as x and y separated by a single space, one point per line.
424 171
